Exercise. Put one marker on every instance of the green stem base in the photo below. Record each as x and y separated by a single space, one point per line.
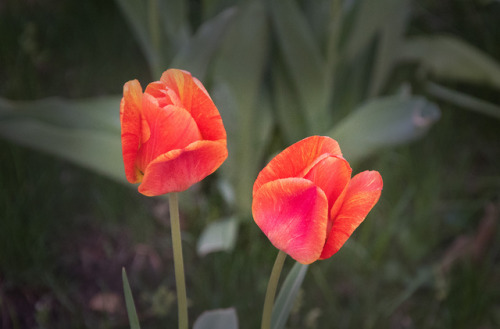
271 290
180 283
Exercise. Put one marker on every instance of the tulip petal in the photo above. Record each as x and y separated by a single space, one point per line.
362 194
331 174
177 170
164 95
131 127
293 214
295 160
170 128
196 100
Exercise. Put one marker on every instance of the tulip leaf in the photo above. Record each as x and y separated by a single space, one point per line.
129 301
384 122
136 13
287 295
174 17
218 236
390 38
369 17
160 26
238 74
463 100
217 319
303 61
196 55
94 113
449 58
86 133
290 116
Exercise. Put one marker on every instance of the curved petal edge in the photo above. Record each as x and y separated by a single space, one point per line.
292 213
362 194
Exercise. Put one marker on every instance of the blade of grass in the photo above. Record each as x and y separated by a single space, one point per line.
129 301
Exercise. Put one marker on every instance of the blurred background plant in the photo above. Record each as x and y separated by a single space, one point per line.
368 73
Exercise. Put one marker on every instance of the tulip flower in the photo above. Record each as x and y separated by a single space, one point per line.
172 134
306 202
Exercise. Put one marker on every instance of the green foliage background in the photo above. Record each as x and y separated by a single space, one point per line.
375 75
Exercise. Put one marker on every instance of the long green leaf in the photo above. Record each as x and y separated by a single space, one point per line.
384 122
463 100
390 38
238 76
174 18
217 319
86 133
287 295
450 58
289 113
129 301
303 60
93 113
196 55
369 17
136 13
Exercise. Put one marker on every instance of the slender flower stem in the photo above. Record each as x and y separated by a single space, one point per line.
173 201
271 290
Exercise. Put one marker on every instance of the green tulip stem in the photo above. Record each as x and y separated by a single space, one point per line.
271 290
180 283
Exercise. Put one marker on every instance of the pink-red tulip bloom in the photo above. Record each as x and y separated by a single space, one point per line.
172 134
306 202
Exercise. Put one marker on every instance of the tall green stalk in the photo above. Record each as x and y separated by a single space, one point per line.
180 283
271 290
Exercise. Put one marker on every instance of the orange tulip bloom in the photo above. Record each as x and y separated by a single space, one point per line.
172 134
306 203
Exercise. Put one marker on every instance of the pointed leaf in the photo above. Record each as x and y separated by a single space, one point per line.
136 13
463 100
129 301
303 60
287 295
384 122
217 319
196 55
245 108
174 18
86 132
450 58
390 38
289 112
369 18
92 113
